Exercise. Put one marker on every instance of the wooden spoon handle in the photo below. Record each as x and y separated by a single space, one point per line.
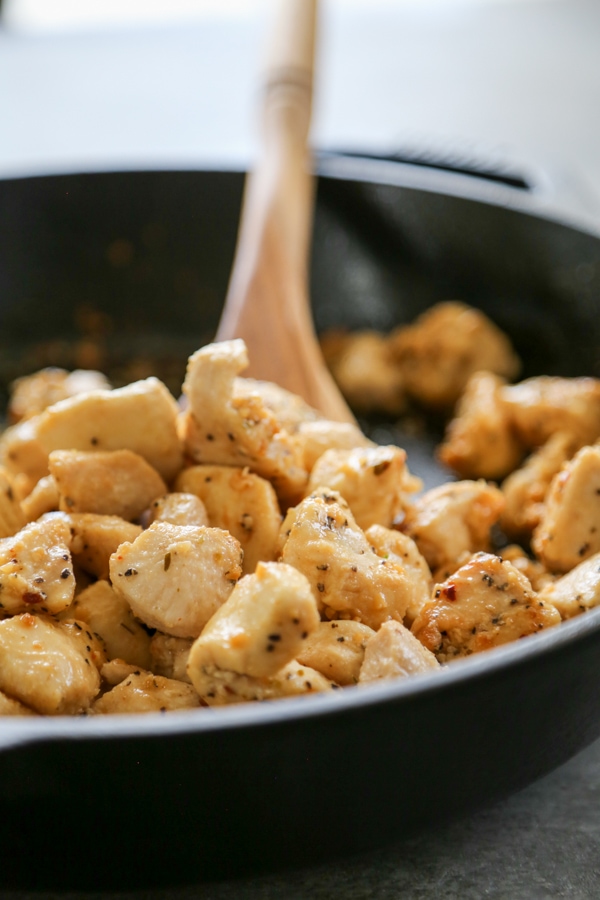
267 302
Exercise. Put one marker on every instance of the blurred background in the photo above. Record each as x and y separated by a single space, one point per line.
173 83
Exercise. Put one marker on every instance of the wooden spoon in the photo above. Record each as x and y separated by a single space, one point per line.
267 302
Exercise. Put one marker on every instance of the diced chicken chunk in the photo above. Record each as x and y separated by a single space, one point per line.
439 352
228 423
541 406
12 518
315 438
107 483
240 502
454 519
368 375
170 656
10 707
525 489
485 603
533 570
179 509
393 652
42 666
321 539
96 538
90 644
262 625
109 615
569 530
374 481
44 498
32 394
336 650
141 417
577 591
145 692
401 548
175 577
290 410
36 572
479 441
219 687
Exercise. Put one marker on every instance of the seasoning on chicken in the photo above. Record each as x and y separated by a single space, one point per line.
220 687
175 577
393 652
399 547
144 692
336 650
374 481
240 502
485 603
179 509
577 591
96 538
569 530
541 406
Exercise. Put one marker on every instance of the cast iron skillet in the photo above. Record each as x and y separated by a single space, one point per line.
109 268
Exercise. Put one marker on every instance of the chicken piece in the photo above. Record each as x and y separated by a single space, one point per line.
454 519
314 438
374 481
10 707
368 374
145 692
227 422
32 394
44 498
479 441
117 670
175 577
569 530
240 502
109 615
179 509
525 489
393 652
439 352
36 572
96 538
141 417
261 627
107 483
577 591
170 656
336 650
533 570
541 406
349 580
42 666
12 518
404 552
290 410
90 644
487 602
219 687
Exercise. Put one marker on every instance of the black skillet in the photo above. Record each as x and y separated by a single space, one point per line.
128 271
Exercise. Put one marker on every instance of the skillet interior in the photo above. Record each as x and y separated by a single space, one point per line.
135 265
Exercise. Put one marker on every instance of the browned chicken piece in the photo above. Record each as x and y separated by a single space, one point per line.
454 519
480 441
10 707
145 692
44 498
220 687
42 666
240 502
96 538
32 394
394 652
261 627
36 571
525 489
349 580
368 374
226 422
12 518
577 591
109 615
336 650
107 483
374 481
314 438
440 351
170 656
569 530
179 509
175 577
537 574
401 548
485 603
290 410
541 406
141 417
